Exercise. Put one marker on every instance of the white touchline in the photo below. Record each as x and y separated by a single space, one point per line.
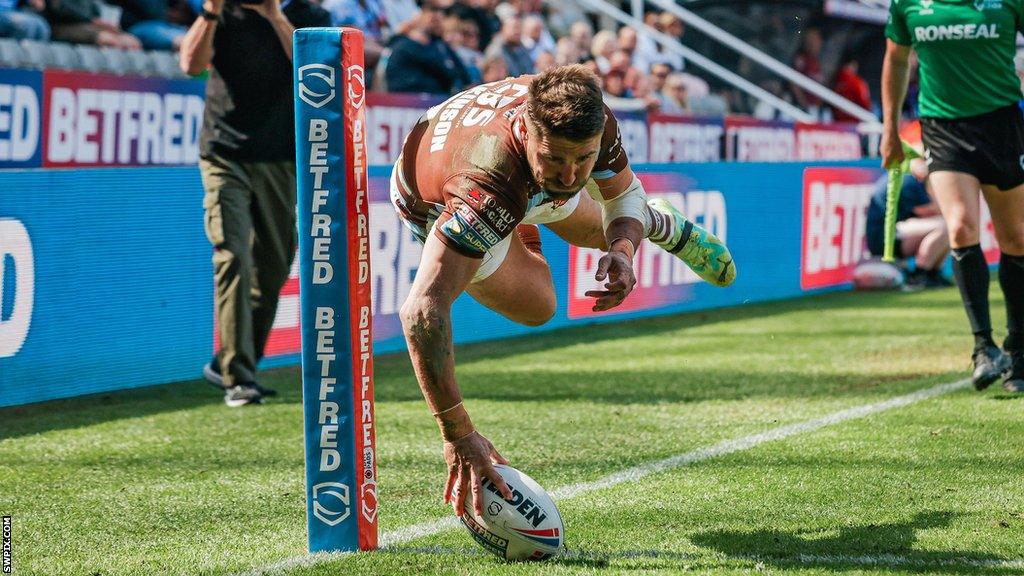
422 529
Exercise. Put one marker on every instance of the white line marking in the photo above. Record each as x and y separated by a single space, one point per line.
422 529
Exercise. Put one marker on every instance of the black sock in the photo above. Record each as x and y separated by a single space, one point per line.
971 273
1011 279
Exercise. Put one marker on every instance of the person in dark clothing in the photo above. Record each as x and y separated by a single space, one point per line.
420 59
247 162
79 22
920 230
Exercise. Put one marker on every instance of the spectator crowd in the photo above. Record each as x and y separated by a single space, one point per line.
444 46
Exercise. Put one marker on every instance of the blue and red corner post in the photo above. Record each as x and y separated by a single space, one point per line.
334 268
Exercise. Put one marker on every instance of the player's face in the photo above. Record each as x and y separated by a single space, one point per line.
560 166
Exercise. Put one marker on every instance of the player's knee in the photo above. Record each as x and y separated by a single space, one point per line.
542 311
1012 243
963 233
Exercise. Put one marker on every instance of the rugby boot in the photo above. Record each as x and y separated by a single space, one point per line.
242 394
989 364
701 250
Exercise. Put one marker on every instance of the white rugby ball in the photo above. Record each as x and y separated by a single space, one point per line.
527 527
877 275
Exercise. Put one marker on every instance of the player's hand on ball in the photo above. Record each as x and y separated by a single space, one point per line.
891 150
469 460
617 268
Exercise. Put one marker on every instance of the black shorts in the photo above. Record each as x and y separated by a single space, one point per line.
989 146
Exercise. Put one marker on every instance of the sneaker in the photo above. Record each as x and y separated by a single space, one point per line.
242 394
989 364
701 250
211 373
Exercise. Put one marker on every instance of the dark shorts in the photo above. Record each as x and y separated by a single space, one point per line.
989 147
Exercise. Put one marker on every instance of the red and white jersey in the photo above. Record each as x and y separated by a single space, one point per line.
464 164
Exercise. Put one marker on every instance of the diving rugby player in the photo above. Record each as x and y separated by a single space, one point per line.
475 177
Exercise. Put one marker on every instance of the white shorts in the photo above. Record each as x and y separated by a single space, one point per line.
544 214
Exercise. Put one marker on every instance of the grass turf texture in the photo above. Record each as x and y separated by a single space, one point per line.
168 480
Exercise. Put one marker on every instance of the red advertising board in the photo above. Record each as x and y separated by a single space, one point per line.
827 142
835 202
100 120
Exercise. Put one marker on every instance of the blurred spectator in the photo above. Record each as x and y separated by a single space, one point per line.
486 19
582 35
24 22
676 101
79 22
656 81
463 36
421 61
669 25
566 52
808 63
850 85
147 21
544 62
536 38
494 68
644 92
370 17
508 44
601 48
621 62
630 42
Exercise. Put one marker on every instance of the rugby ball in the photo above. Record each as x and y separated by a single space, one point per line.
527 527
877 275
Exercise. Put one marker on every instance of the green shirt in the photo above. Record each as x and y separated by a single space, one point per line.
966 50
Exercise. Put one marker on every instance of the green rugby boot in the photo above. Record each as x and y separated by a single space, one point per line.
701 250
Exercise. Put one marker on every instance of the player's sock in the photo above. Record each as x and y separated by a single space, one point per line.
1011 280
971 273
663 224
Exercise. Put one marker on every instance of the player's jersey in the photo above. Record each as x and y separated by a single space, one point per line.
966 50
464 165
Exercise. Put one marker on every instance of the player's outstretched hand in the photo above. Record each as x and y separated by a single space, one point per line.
470 459
617 268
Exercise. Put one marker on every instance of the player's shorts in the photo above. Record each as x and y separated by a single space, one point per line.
989 146
493 258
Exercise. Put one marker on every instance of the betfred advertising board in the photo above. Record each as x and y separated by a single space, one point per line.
685 139
92 120
835 202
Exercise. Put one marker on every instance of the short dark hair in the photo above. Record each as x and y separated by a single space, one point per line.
566 102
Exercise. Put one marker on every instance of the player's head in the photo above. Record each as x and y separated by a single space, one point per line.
565 122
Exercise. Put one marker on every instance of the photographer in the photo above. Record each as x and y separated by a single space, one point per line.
247 161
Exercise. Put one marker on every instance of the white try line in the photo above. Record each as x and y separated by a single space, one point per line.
422 529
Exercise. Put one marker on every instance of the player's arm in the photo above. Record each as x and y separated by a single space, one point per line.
426 320
895 74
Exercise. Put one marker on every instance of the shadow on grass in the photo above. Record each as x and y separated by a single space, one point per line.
395 382
881 547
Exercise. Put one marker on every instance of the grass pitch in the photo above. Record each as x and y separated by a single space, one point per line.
166 480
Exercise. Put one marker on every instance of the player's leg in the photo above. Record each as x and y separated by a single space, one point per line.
520 287
957 194
1007 207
